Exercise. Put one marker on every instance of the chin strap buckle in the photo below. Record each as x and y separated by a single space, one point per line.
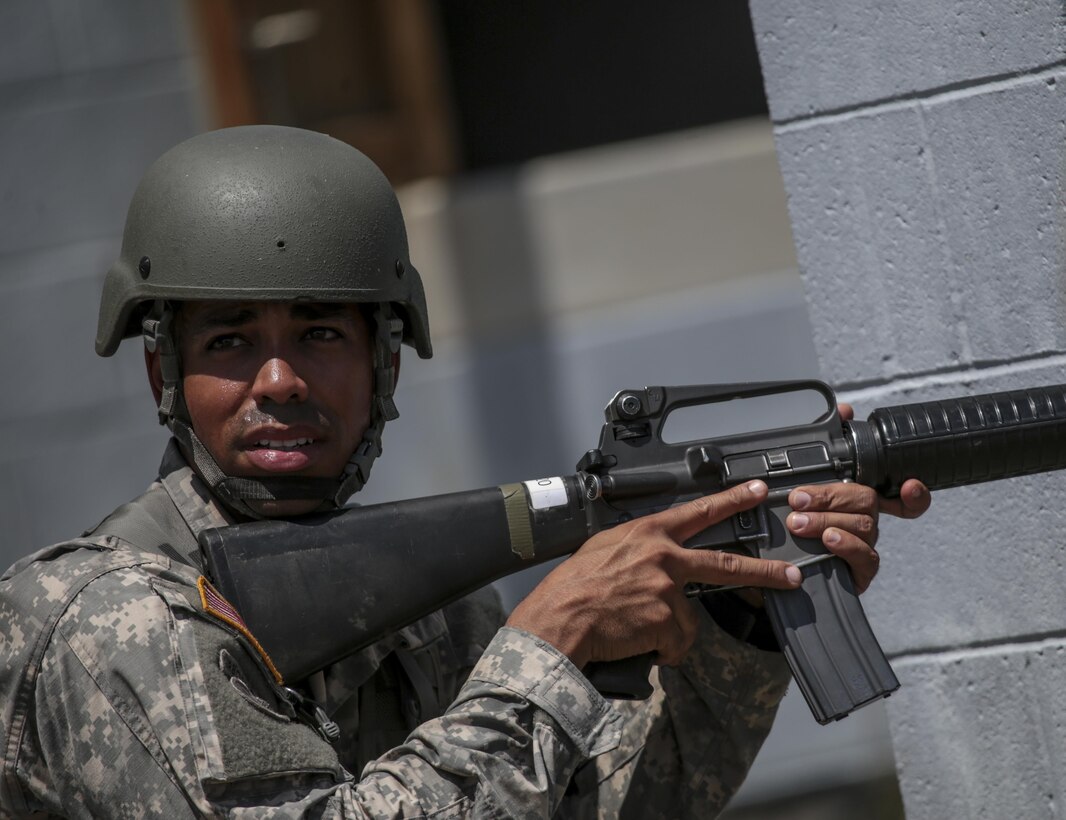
149 331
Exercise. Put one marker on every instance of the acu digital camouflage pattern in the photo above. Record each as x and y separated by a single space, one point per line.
122 698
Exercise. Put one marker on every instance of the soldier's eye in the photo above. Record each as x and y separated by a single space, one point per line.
323 333
226 342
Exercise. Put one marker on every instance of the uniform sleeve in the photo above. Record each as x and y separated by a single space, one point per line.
144 705
686 750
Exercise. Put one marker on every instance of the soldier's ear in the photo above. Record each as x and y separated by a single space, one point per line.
155 373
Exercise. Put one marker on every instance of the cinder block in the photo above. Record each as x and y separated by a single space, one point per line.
980 735
65 471
57 265
69 489
127 369
63 190
997 160
870 244
830 56
51 358
117 32
28 48
928 233
18 539
984 564
987 561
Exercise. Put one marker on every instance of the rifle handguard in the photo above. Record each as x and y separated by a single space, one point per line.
962 441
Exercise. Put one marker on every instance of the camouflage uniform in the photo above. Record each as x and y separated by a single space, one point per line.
126 692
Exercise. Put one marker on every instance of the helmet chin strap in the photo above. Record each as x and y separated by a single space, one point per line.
236 491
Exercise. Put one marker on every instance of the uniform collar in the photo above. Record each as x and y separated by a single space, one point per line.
200 509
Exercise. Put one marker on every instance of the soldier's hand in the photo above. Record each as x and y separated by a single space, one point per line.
845 517
622 593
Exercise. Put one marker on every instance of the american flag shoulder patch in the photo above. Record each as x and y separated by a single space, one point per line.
214 604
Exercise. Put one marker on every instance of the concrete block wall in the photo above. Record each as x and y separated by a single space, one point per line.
923 147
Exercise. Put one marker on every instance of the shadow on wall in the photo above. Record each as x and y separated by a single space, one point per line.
506 322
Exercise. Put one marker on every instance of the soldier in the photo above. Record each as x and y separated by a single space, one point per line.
267 271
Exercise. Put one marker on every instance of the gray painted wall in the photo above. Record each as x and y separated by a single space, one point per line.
922 147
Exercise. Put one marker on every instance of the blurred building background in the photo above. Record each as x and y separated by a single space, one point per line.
593 200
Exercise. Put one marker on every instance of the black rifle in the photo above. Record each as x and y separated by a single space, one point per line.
314 590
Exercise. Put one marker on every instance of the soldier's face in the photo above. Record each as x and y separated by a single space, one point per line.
277 389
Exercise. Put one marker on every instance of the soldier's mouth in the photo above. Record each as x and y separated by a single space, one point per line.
283 444
280 450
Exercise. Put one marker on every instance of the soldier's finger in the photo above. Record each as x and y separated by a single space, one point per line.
685 520
914 499
813 524
838 497
847 412
860 556
727 569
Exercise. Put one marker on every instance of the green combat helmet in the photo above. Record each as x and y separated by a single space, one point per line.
265 213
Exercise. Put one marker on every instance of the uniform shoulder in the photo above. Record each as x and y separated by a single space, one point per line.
51 584
89 593
81 560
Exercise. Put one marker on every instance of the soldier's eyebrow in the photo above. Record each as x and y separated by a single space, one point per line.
312 311
219 317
